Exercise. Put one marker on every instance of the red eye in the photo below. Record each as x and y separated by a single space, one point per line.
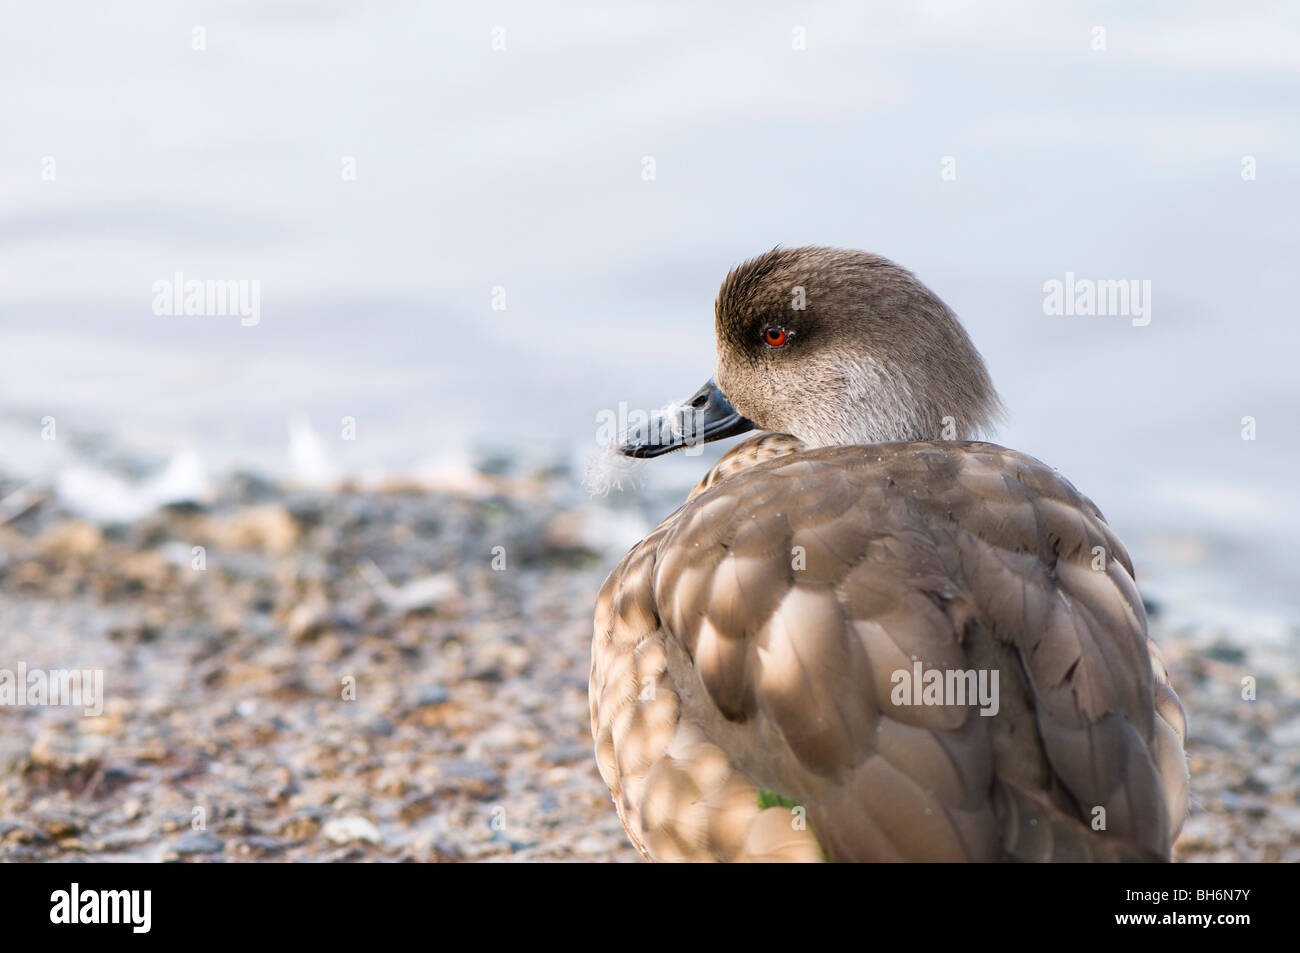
776 337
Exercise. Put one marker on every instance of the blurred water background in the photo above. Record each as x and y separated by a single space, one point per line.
522 168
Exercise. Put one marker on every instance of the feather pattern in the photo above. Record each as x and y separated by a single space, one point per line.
750 643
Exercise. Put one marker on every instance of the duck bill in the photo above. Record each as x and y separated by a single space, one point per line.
707 416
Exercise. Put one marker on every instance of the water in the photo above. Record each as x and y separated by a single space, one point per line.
522 169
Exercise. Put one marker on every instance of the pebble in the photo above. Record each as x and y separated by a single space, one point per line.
345 830
433 695
197 842
60 825
470 684
260 846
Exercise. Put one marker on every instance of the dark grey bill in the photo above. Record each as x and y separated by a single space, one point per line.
706 416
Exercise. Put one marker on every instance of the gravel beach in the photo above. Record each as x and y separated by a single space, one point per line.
399 673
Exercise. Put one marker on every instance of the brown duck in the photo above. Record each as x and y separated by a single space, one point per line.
866 636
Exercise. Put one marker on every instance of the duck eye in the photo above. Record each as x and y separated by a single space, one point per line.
776 337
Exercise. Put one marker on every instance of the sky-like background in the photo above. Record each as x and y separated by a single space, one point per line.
522 168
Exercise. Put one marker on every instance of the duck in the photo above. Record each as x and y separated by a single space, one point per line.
868 634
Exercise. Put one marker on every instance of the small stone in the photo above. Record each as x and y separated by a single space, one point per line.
1203 832
72 539
1247 804
308 620
11 832
381 726
304 824
260 846
345 830
433 695
1287 734
198 842
1225 652
473 770
60 825
443 853
416 806
591 846
55 750
246 487
267 528
566 754
1288 815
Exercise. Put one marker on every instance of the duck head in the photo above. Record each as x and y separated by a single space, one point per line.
834 347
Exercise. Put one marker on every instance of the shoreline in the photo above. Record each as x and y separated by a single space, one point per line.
460 623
